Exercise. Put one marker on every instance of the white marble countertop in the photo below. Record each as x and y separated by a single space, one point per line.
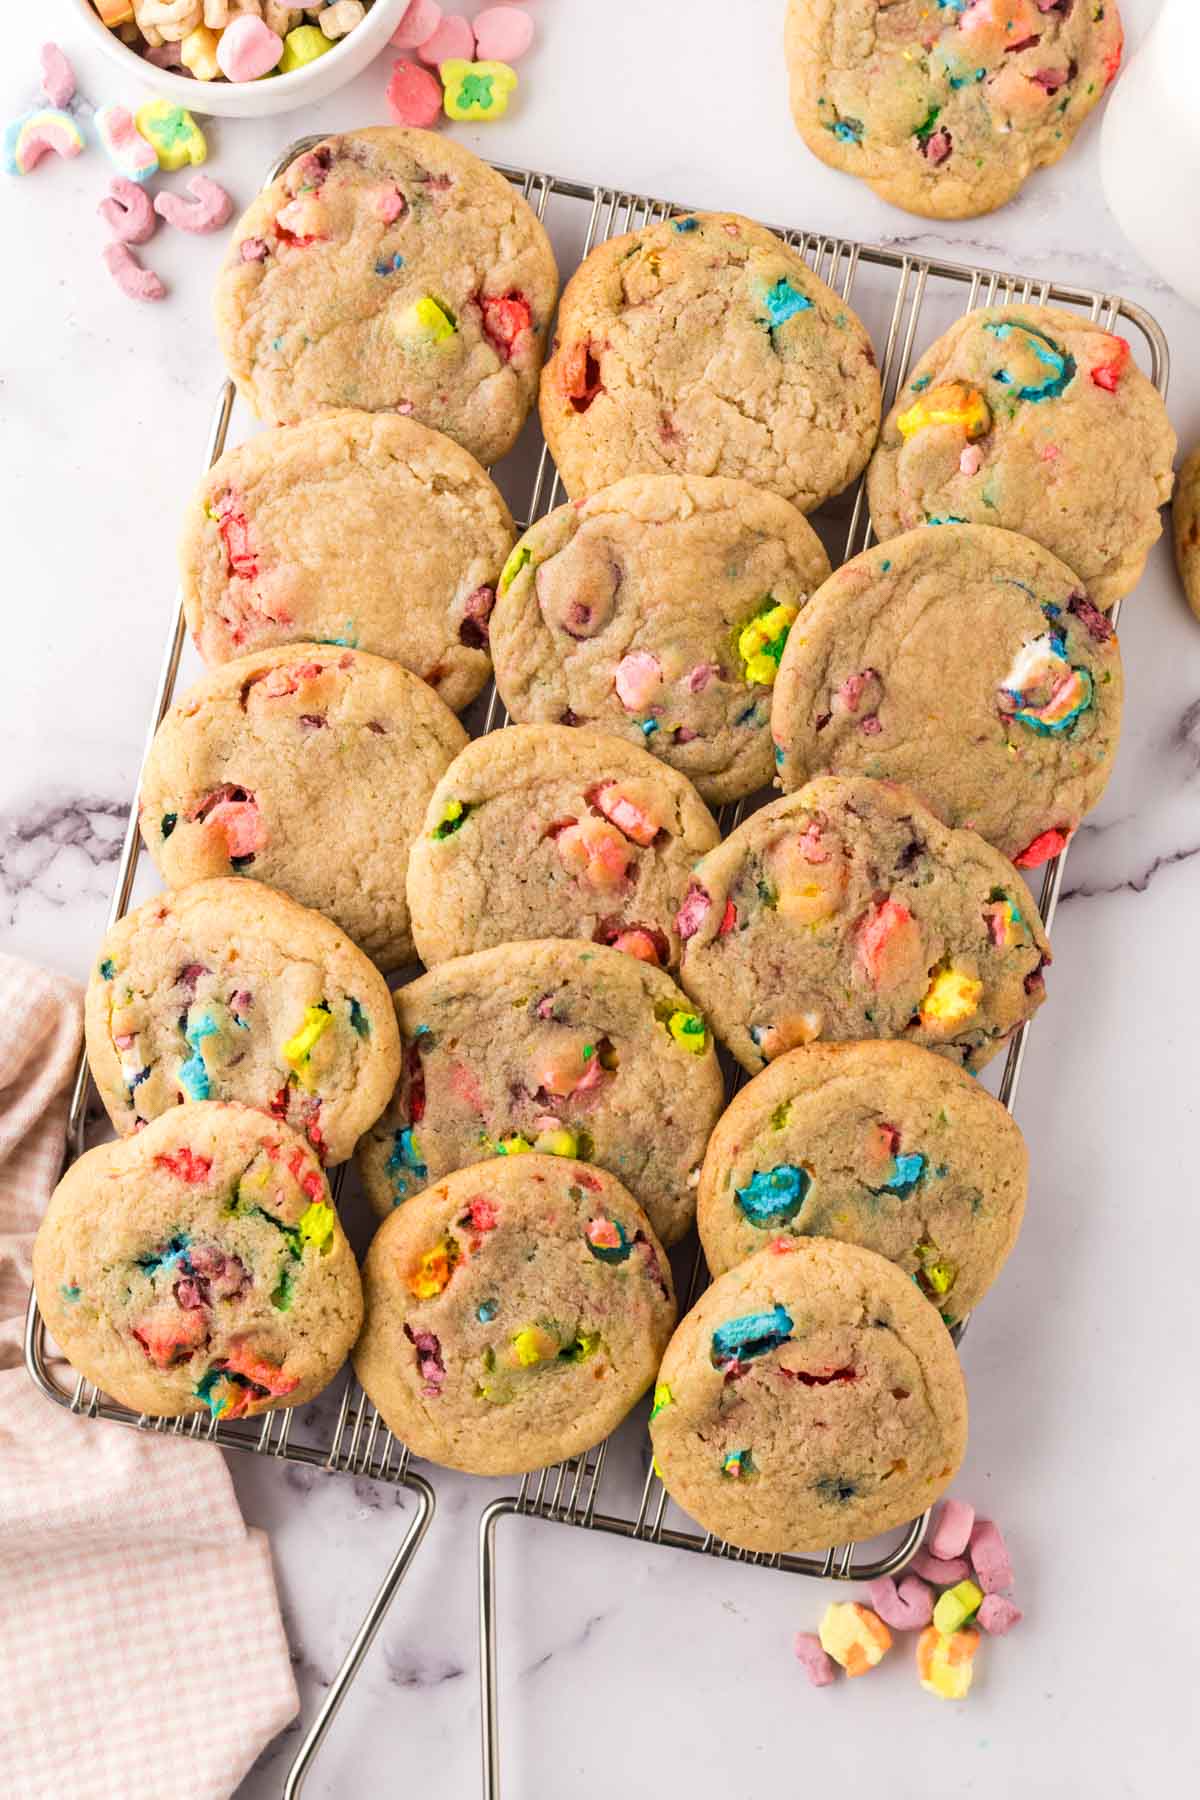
620 1663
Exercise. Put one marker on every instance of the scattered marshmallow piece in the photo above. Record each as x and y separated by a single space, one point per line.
956 1606
942 1574
908 1607
952 1531
419 23
247 48
989 1557
998 1615
503 33
209 208
58 77
127 211
126 146
27 140
854 1636
336 20
129 275
453 38
946 1664
819 1668
414 96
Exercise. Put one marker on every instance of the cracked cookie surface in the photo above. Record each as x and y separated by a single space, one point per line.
544 831
360 529
877 1144
705 346
199 1267
945 107
1034 419
847 911
226 990
658 610
812 1397
565 1048
272 761
969 664
390 269
515 1312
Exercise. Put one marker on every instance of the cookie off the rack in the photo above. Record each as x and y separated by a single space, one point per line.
514 1314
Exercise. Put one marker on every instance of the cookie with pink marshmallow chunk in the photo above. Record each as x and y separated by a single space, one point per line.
556 1046
269 760
543 831
658 610
199 1267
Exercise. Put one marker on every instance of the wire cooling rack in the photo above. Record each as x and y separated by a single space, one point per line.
905 301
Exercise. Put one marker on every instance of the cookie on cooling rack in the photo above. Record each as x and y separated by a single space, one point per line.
555 1046
310 766
359 529
704 345
199 1267
226 990
945 109
878 1144
392 270
1015 736
810 1398
543 831
1187 529
514 1314
658 610
847 911
1037 420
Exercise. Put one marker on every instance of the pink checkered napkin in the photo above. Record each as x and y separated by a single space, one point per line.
141 1649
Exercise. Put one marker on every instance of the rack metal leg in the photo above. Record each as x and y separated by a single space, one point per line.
364 1636
489 1710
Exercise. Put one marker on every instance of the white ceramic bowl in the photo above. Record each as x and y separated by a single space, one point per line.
255 99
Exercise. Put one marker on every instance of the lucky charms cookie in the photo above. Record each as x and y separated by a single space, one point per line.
847 911
969 664
199 1267
514 1314
560 1047
1037 420
393 271
812 1397
704 345
226 990
547 831
1187 529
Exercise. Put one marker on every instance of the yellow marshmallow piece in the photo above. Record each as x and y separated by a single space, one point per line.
298 1049
956 1606
946 1665
426 322
476 90
688 1031
560 1142
854 1636
952 997
953 404
303 46
316 1225
172 132
533 1345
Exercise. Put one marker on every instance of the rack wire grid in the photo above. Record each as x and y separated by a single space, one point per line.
899 295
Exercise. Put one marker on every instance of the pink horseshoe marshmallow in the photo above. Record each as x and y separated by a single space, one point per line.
207 211
129 275
127 212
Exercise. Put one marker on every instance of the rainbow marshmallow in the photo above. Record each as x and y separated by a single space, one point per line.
27 140
127 148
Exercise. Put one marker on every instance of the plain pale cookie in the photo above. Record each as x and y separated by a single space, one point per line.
810 1398
1034 419
878 1144
391 270
226 990
847 911
1187 529
199 1267
358 529
705 346
543 831
658 610
514 1314
969 664
312 768
565 1048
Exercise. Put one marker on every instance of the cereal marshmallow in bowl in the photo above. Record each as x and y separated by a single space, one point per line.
241 58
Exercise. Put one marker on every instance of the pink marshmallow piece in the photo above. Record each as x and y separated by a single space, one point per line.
998 1615
816 1664
453 37
971 460
637 680
209 208
128 212
248 48
58 77
941 1574
989 1557
908 1607
129 275
503 33
419 22
951 1531
414 96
